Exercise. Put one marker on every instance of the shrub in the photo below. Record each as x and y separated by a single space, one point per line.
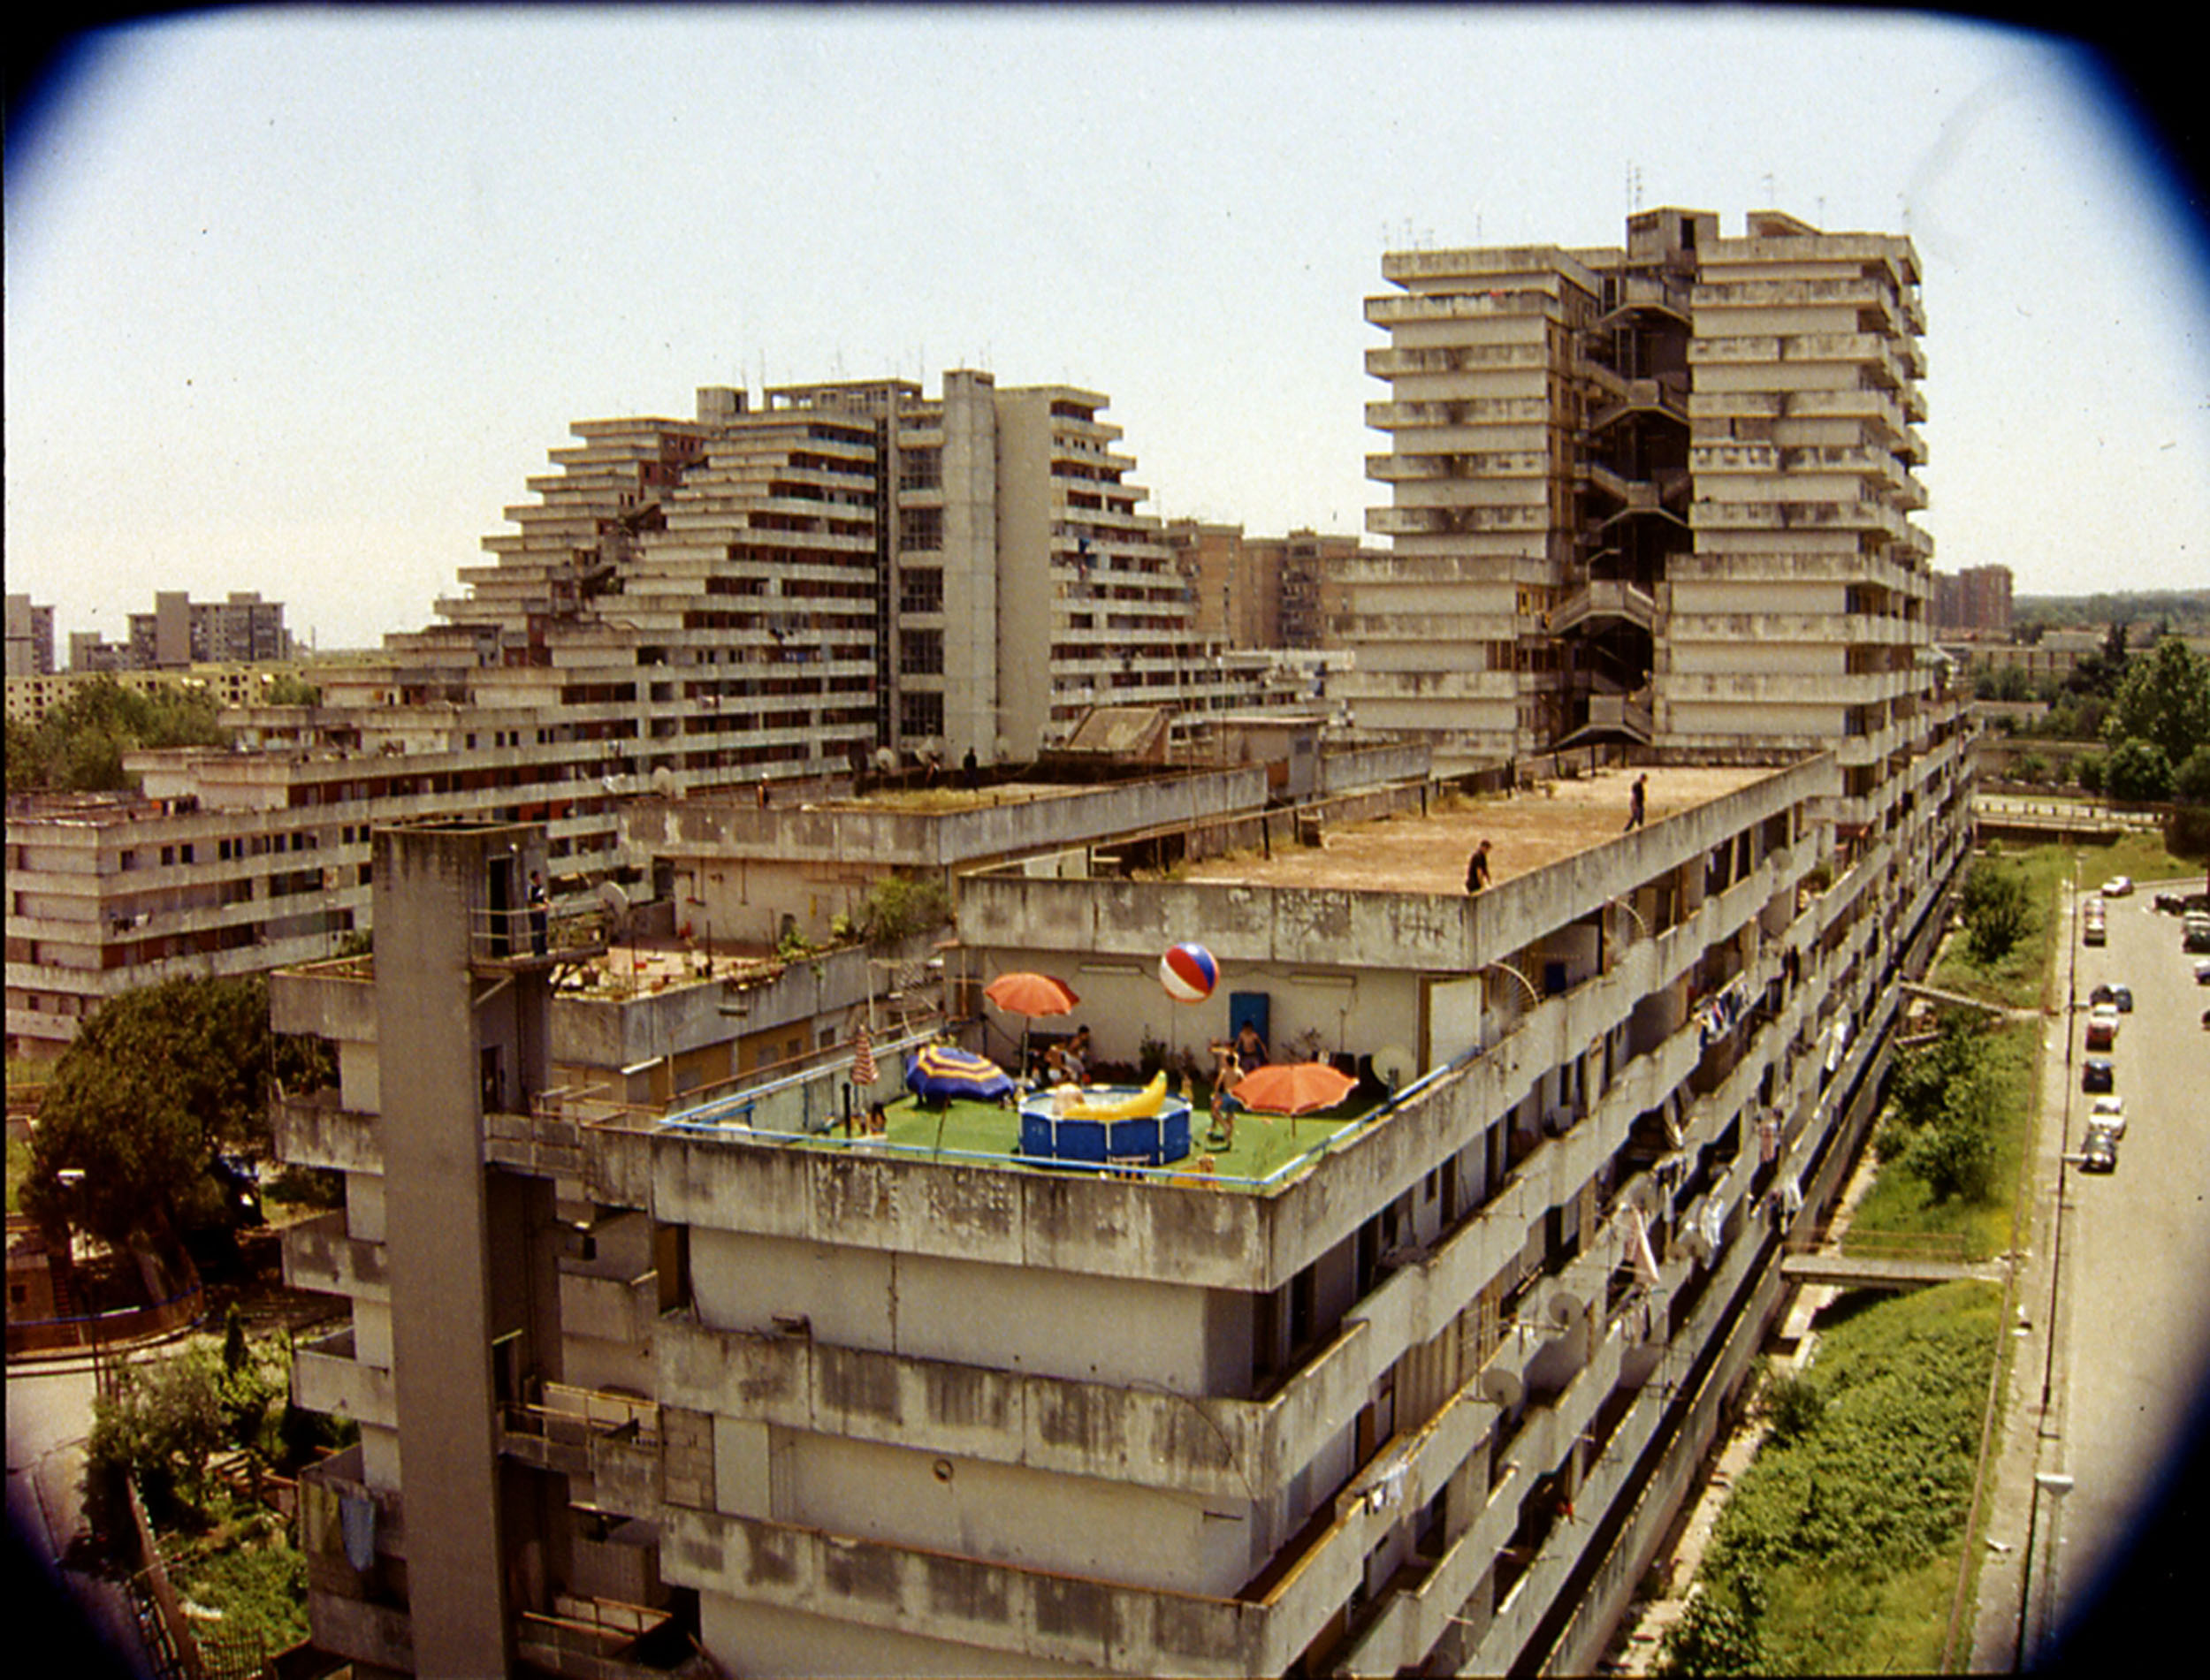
1792 1404
1996 912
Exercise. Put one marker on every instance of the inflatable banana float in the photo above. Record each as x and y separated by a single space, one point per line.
1145 1102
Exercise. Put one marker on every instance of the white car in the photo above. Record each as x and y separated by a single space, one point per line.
2118 886
2111 1111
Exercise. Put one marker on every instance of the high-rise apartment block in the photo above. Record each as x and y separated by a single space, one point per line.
1261 591
180 631
1657 494
750 595
30 634
641 1373
1976 600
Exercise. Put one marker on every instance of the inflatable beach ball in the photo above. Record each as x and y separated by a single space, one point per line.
1189 973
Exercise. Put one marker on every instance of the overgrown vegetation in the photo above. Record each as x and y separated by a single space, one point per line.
169 1423
896 907
1837 1550
78 747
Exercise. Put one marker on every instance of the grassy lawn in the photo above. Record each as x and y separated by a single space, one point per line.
1899 1202
1262 1145
1852 1520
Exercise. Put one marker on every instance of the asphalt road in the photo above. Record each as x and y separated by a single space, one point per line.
2134 1311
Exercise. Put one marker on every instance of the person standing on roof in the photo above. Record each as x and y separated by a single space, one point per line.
1478 869
1637 801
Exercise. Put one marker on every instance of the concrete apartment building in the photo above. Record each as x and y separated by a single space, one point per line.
1261 591
180 631
772 595
1657 494
1974 601
699 1366
30 638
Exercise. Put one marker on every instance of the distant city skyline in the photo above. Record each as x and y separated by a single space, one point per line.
298 301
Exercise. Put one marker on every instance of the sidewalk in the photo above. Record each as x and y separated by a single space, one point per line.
1991 1645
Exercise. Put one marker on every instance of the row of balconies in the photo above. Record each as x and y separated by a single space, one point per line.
1403 309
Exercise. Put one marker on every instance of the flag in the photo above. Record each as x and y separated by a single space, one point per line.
864 1072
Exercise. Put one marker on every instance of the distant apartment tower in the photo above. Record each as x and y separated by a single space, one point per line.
1975 599
180 631
1261 591
1658 495
30 633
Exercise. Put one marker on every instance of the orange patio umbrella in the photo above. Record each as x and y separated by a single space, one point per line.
1030 995
1292 1088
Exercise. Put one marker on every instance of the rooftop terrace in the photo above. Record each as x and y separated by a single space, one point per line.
1528 830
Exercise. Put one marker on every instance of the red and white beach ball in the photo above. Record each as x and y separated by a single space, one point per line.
1188 973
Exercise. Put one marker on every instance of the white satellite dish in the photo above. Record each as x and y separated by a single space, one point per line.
1393 1063
663 781
1502 1388
885 760
615 900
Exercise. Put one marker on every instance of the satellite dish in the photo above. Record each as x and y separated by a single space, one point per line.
1501 1388
1393 1063
615 900
1567 1308
885 760
663 781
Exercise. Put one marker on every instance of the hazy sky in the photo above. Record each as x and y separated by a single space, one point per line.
296 301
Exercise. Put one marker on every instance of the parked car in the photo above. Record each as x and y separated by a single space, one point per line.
2102 1027
2100 1152
2116 994
2118 886
2202 974
2094 932
2109 1111
2098 1074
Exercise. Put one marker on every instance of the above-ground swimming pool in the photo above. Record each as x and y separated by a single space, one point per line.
1151 1140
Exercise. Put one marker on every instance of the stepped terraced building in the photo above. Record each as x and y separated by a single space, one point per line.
1657 494
746 597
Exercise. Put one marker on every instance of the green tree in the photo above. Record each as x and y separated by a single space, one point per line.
2138 770
78 747
2191 781
163 1424
2164 700
1955 1154
152 1086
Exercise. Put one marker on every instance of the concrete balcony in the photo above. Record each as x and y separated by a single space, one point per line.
1468 415
327 1378
1027 1615
1236 1450
608 1445
1423 521
1397 362
318 1255
318 1130
622 1310
1396 309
